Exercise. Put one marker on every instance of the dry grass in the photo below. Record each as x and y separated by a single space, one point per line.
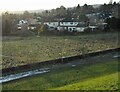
23 50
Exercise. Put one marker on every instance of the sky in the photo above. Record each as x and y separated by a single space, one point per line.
18 5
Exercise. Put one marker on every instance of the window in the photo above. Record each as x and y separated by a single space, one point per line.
70 29
73 28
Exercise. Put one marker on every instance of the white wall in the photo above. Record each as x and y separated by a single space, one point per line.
52 24
68 23
71 29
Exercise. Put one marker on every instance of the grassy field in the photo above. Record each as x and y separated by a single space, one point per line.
108 82
99 76
20 51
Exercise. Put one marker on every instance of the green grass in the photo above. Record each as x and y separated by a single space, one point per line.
18 51
107 82
89 77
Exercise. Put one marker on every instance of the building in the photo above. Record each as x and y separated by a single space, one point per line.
52 25
72 26
22 24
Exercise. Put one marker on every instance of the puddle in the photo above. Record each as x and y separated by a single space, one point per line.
116 56
73 65
22 75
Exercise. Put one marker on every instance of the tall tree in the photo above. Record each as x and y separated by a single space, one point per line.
43 29
78 6
9 22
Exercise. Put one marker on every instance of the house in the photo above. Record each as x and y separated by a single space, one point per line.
52 25
62 26
19 27
97 20
22 24
81 27
72 26
67 26
102 26
93 27
94 18
33 23
72 29
32 27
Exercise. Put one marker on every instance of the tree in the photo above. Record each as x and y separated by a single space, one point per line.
68 16
26 15
82 17
78 7
114 3
9 22
62 7
87 9
43 28
113 23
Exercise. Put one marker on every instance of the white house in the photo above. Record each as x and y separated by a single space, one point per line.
52 24
72 26
21 24
31 27
61 26
68 24
72 29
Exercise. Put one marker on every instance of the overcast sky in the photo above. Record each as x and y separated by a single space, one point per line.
16 5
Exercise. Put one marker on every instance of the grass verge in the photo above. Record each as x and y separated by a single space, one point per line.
107 82
101 76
